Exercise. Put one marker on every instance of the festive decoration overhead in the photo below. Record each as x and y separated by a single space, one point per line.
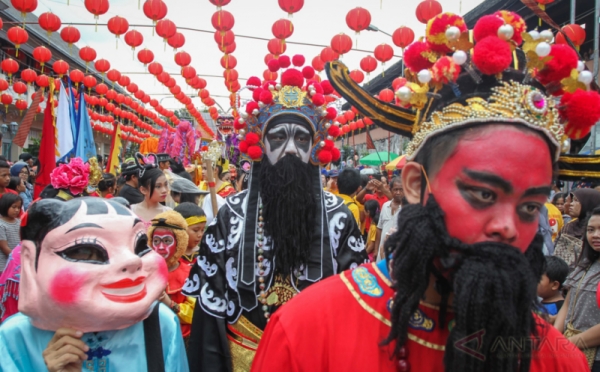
70 35
291 6
358 19
428 9
49 22
17 36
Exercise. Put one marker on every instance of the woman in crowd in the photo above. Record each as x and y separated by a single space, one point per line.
10 210
22 171
196 221
372 212
184 190
107 186
579 317
559 202
154 186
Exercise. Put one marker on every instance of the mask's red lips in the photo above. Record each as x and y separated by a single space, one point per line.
125 283
126 290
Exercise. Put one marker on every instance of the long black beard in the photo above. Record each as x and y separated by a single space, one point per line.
289 208
494 288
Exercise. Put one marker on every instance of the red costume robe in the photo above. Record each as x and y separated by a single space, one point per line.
339 324
175 284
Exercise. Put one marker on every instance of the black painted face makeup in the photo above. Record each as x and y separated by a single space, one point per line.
286 138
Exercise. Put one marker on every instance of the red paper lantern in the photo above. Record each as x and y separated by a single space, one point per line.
145 56
155 68
124 81
230 75
575 32
89 82
358 19
28 76
42 81
132 88
386 95
224 39
269 75
96 7
155 10
10 66
21 105
175 90
6 100
428 9
70 35
318 64
24 6
228 61
60 67
383 53
102 65
42 55
134 39
183 58
357 76
17 36
188 72
219 3
49 22
403 37
111 94
19 88
101 89
282 29
328 55
291 6
222 20
229 48
165 28
204 94
118 26
201 84
368 64
76 76
176 41
113 75
268 57
276 47
341 43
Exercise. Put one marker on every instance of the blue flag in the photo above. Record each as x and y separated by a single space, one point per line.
74 118
85 147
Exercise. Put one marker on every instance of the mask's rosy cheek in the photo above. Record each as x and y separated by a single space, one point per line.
66 285
163 271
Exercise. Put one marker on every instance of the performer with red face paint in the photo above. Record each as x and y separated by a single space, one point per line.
169 238
457 290
89 285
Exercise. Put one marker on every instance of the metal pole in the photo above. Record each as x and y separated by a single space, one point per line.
572 12
596 44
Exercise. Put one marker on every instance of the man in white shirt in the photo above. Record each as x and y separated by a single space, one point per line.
388 216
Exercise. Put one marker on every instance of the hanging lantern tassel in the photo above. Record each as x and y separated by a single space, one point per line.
139 5
96 18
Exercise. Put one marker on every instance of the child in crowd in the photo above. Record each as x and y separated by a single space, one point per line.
550 286
10 210
372 212
196 220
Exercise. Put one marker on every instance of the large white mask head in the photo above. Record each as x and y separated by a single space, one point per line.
288 134
86 264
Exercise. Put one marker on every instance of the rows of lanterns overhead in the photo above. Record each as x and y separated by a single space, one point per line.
113 104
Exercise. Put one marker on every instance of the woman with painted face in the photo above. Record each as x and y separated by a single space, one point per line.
153 184
89 285
168 237
579 317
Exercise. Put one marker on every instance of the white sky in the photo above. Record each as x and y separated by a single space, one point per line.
316 23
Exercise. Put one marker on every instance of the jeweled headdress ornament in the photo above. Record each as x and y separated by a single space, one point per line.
299 92
496 72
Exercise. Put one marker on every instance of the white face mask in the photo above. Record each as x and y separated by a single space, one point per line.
286 138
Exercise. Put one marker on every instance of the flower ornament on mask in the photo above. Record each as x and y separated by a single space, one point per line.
500 74
86 265
168 236
298 94
72 177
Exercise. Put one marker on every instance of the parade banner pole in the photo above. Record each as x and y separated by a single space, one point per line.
212 186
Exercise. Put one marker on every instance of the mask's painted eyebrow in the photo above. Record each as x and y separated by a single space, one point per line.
534 191
490 179
136 221
85 225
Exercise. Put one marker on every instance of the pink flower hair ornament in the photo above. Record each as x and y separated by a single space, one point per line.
73 177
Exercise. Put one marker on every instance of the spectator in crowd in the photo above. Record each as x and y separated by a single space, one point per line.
348 184
579 317
26 158
388 216
107 185
372 212
5 178
10 210
551 285
129 191
196 220
332 182
21 170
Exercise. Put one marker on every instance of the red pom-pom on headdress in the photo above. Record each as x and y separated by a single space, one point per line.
414 57
445 70
243 146
492 55
515 20
251 106
298 60
255 152
308 72
237 125
334 131
331 113
328 145
564 60
292 77
325 156
284 61
487 25
436 30
254 81
256 94
273 65
581 110
318 99
266 97
327 87
252 139
335 154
